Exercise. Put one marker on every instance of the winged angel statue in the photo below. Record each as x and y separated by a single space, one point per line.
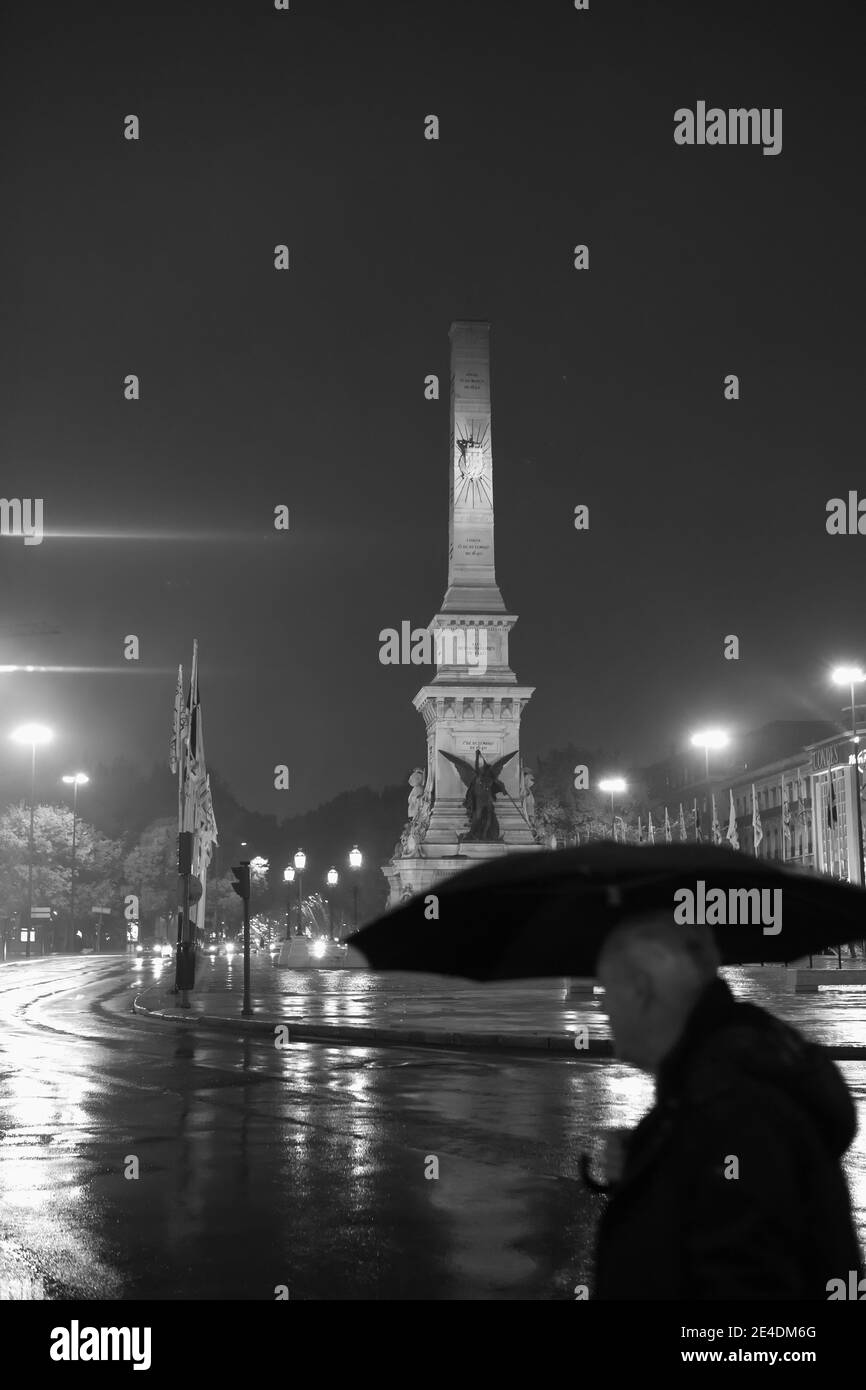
483 786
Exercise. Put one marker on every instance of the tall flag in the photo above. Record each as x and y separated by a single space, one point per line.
650 832
757 831
786 821
732 836
802 811
668 836
197 814
698 836
717 829
683 832
639 832
177 746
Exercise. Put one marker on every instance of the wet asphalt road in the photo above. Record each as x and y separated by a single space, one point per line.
302 1168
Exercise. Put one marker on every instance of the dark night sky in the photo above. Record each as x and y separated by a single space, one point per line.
306 388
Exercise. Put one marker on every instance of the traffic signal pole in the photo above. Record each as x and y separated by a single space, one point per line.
241 886
185 971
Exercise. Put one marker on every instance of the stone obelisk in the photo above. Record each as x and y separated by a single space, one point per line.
472 707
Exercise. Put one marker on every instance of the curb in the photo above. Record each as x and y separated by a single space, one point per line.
414 1037
393 1037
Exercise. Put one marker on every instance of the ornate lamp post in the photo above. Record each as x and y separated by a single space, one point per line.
35 735
356 859
300 865
77 779
333 878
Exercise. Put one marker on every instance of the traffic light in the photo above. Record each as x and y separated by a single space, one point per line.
241 885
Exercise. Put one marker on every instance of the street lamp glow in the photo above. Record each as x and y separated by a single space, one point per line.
333 876
289 874
849 675
710 738
355 858
300 861
77 779
32 734
613 784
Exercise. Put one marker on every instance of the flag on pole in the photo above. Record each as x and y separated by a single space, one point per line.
683 832
177 746
177 726
639 832
650 832
716 828
197 815
668 836
786 822
732 836
757 831
698 836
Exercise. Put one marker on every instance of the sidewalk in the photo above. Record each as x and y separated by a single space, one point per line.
367 1009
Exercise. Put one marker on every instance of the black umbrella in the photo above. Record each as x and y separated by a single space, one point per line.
539 915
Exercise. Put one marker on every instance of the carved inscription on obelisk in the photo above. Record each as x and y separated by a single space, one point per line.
471 572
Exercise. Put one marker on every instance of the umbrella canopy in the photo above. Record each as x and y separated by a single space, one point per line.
534 916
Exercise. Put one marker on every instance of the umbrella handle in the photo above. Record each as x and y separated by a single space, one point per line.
589 1180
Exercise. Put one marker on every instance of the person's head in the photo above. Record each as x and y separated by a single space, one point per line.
653 971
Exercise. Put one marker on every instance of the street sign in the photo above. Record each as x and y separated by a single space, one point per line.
40 914
101 911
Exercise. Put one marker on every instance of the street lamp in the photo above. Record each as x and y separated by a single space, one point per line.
333 877
356 859
851 676
707 739
76 779
35 735
300 864
613 785
288 877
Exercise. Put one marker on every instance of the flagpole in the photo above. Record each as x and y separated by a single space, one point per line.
186 959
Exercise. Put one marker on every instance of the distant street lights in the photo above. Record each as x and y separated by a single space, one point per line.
300 864
288 877
35 735
356 859
76 779
613 785
333 878
851 676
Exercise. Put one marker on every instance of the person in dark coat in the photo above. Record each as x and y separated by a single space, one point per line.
731 1187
